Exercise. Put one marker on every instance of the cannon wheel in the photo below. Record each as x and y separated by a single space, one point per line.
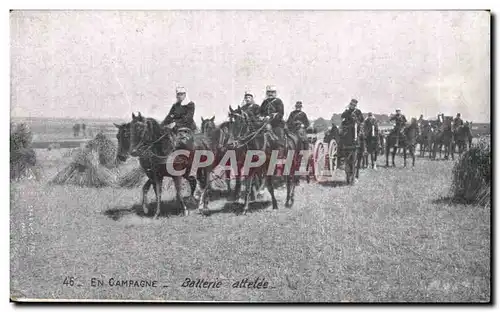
332 155
319 159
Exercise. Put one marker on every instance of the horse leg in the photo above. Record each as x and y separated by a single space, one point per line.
404 156
387 152
412 152
158 188
248 186
145 190
394 156
288 191
178 194
203 175
192 184
452 150
270 188
228 180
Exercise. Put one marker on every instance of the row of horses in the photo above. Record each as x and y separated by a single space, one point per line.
431 137
152 144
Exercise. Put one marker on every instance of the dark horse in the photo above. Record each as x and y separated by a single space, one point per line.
154 146
220 138
251 135
371 140
444 137
407 140
349 150
463 138
425 138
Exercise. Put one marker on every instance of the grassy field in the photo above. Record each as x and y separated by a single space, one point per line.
394 237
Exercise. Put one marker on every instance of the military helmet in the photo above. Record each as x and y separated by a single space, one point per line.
271 88
180 90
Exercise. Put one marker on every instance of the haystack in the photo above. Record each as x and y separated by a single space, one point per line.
472 175
133 178
105 148
91 165
22 155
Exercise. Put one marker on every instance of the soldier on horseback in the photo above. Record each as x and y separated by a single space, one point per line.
400 122
250 107
272 109
352 115
182 115
299 117
457 122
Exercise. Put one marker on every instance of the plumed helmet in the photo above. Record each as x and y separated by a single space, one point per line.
271 88
180 90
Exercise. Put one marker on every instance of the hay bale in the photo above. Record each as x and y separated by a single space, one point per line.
472 175
85 170
133 178
20 136
106 150
22 156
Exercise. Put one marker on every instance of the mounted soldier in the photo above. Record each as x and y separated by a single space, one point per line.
250 107
457 122
400 122
272 109
298 119
332 133
182 116
352 115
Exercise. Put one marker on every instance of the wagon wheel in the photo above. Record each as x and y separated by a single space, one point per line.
319 158
332 155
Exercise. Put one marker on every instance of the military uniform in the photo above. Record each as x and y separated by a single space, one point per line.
272 106
351 116
251 109
457 122
400 120
297 115
182 115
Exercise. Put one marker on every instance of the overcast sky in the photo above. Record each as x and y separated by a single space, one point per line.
93 64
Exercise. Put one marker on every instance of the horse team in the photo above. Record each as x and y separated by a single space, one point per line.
152 144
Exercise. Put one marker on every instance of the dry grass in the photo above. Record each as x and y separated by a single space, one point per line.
133 178
22 155
472 174
90 166
387 239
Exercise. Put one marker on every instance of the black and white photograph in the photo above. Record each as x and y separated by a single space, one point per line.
250 156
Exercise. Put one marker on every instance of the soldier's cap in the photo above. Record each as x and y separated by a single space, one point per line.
271 88
179 90
248 93
354 101
298 104
398 110
370 114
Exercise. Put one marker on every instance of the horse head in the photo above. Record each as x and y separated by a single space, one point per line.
145 133
123 137
207 125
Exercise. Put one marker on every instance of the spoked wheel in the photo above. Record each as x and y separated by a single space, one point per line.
319 160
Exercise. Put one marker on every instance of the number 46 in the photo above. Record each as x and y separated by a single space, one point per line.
69 281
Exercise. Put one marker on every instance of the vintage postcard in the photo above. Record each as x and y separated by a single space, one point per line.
250 156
